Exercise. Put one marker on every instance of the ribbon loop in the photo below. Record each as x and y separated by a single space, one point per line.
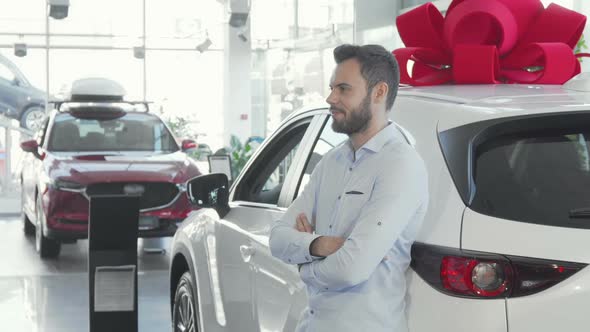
481 22
426 34
556 60
428 66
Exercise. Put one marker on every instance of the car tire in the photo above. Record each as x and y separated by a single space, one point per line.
185 314
46 247
32 118
28 226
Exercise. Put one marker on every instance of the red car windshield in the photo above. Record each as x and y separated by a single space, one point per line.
131 132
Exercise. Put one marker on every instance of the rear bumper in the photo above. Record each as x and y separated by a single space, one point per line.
430 310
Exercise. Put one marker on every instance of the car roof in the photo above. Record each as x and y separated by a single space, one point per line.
497 97
487 101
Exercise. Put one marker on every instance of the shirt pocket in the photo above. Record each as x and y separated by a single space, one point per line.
354 200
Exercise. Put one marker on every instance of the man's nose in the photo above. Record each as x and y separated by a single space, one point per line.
331 98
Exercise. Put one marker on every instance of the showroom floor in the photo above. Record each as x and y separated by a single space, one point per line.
51 296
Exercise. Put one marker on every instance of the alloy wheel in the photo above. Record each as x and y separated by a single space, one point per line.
34 118
184 316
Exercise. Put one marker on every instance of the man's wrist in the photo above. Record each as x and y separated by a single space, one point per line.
313 248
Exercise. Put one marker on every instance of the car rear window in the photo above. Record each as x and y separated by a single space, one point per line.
535 178
131 132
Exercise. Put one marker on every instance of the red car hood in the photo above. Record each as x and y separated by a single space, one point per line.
86 169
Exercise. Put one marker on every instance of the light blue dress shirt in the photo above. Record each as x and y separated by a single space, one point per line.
376 199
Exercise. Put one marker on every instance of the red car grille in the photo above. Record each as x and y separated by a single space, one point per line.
156 194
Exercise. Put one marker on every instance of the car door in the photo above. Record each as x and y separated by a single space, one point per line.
32 174
256 287
280 293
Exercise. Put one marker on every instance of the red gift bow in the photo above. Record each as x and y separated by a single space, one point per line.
489 41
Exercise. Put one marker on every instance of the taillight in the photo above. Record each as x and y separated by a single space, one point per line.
484 275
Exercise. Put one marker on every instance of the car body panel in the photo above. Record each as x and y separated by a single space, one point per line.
431 310
490 234
563 307
450 209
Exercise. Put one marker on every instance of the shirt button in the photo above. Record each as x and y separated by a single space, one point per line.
339 197
289 260
330 226
311 312
350 169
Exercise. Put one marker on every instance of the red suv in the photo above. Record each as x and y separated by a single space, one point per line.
92 148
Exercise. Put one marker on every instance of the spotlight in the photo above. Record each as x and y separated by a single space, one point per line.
202 47
238 12
58 9
139 52
20 49
238 20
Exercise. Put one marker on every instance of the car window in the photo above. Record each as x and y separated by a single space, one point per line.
534 178
132 132
327 140
41 133
5 73
264 179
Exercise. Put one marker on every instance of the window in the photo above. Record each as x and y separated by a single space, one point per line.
326 142
536 178
6 74
132 132
264 179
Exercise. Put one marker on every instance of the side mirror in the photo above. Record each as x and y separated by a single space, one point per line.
31 146
209 191
188 144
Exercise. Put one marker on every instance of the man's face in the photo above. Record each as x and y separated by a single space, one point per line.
350 104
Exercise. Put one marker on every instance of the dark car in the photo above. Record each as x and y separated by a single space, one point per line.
102 148
19 99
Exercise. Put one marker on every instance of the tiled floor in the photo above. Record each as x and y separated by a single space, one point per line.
52 295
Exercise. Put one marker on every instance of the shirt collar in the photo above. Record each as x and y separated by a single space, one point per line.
375 144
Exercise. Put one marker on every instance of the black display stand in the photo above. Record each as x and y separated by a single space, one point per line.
112 263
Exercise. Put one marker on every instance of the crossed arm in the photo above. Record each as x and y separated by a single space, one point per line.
351 261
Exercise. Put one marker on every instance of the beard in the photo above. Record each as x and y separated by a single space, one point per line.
355 121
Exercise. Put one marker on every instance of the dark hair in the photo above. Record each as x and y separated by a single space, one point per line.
377 65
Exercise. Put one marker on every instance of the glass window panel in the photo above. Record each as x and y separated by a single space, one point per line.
22 16
185 24
67 65
189 85
110 17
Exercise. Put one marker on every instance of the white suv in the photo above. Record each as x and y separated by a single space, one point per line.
504 246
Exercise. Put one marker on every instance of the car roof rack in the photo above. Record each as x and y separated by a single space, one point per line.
97 102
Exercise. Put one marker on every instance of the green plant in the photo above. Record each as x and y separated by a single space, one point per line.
180 127
240 154
581 46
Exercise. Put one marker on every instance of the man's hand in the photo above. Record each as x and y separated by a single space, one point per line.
325 245
303 225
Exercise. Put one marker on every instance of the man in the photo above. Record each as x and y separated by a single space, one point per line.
352 227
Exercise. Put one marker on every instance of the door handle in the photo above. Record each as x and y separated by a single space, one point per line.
247 252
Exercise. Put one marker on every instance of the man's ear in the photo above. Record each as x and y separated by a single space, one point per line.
380 93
